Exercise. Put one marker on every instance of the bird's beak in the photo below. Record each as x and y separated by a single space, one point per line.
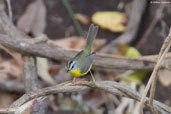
67 68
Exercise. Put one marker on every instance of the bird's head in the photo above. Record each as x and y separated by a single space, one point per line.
72 65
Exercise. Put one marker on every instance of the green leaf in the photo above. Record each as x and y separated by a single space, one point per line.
132 52
136 77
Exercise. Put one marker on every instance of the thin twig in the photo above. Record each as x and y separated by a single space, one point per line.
15 55
165 48
71 13
9 9
162 54
157 17
92 76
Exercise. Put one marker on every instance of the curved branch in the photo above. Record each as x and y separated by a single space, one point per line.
108 86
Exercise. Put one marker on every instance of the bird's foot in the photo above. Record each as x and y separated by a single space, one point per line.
74 82
92 79
71 83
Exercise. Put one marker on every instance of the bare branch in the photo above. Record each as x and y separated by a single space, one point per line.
152 80
155 20
7 111
102 61
29 70
9 9
21 109
108 86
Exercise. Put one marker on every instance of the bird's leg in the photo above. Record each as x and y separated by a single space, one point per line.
92 78
73 81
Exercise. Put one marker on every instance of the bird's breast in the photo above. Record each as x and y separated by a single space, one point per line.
77 72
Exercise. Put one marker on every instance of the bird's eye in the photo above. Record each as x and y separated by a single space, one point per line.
72 66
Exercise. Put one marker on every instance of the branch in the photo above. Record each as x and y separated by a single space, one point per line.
158 16
72 15
29 70
21 109
9 9
31 83
108 86
152 80
7 111
29 73
102 61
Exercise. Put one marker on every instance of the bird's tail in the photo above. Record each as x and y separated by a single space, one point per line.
92 32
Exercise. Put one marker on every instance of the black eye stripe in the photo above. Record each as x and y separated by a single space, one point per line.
70 62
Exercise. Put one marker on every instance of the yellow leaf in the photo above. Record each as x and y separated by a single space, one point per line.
136 77
110 20
132 52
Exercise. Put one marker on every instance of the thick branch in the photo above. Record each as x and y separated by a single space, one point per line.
102 61
29 70
108 86
29 73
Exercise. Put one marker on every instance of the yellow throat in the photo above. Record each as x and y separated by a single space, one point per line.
77 72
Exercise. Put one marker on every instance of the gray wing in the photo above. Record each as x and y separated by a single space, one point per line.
87 62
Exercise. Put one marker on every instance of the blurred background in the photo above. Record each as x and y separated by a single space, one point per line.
131 28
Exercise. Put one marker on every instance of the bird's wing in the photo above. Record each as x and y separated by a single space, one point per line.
88 60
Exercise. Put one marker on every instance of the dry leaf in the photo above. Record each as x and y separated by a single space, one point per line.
53 70
110 20
42 69
10 68
82 18
78 43
5 100
164 77
34 18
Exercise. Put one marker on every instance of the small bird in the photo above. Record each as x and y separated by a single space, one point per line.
81 64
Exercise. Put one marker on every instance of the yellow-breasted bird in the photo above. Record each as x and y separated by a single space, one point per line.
81 64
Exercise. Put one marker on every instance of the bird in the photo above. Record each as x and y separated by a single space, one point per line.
82 63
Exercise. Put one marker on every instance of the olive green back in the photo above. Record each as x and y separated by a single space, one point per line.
92 32
85 57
